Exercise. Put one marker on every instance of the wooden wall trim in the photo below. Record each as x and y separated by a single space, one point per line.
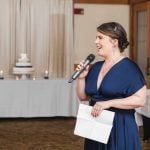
103 1
137 1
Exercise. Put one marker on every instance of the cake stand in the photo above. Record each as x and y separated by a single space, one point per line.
24 75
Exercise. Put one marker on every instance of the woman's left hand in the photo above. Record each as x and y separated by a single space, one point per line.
99 107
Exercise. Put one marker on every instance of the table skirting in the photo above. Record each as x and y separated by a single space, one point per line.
37 98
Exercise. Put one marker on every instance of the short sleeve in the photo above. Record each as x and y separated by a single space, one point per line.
135 79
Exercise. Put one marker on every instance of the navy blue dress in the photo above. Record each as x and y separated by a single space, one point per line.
122 80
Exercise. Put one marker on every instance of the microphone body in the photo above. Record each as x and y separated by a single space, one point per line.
88 60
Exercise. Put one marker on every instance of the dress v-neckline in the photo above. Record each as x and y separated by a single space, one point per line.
99 86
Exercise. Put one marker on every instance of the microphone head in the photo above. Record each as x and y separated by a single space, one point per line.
88 60
90 57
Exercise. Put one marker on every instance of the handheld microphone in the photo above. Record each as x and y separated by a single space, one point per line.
87 61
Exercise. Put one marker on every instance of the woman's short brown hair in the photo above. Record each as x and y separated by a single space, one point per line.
115 31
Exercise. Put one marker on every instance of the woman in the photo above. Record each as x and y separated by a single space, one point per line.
115 84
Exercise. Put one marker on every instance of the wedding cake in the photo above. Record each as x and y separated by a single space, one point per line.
23 66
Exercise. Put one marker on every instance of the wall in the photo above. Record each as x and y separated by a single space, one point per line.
85 25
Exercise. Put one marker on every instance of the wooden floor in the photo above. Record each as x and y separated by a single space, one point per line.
146 143
43 134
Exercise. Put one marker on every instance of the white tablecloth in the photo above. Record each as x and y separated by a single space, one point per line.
37 98
145 111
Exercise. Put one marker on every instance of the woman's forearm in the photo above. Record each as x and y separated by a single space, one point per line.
127 103
136 100
80 89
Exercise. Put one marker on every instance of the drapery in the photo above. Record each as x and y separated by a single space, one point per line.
41 28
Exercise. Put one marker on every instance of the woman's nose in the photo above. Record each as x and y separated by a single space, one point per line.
96 41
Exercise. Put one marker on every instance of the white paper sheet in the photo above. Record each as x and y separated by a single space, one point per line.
98 128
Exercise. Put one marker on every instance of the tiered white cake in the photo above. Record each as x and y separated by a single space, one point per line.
23 66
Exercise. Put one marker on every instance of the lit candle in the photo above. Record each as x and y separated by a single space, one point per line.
46 73
1 73
17 78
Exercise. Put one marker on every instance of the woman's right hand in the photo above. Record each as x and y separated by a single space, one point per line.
85 71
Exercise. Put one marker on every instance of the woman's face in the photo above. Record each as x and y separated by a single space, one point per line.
105 44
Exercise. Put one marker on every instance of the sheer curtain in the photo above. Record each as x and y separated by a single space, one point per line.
8 15
41 28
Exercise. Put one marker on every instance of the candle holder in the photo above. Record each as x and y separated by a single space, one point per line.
46 74
1 75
